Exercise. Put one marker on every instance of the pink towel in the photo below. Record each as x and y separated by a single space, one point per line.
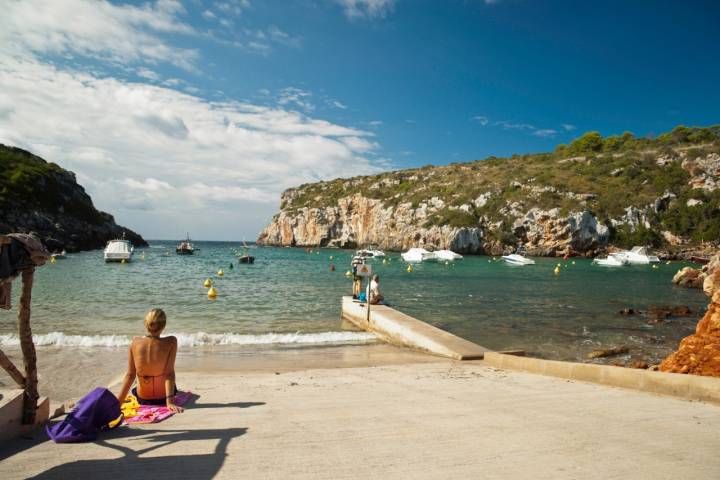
157 413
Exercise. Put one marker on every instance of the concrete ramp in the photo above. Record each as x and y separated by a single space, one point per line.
400 329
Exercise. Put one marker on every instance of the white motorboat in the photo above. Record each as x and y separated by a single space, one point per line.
419 255
447 255
617 259
518 258
119 250
640 256
370 252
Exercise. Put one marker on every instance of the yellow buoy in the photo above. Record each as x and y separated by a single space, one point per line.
667 263
384 260
52 260
447 263
212 293
409 269
122 261
207 283
220 273
573 262
557 270
654 266
331 257
558 265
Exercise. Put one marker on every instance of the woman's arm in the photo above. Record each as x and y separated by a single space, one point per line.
129 376
170 378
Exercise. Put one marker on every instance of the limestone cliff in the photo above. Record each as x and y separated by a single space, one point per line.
577 200
41 197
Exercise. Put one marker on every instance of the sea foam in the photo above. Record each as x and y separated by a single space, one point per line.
199 339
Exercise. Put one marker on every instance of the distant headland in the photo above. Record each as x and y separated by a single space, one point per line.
581 199
41 197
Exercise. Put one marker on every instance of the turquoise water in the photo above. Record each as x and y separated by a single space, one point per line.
291 296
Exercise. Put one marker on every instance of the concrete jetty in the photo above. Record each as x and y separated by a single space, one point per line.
401 329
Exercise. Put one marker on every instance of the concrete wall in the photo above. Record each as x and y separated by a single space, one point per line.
400 329
11 414
691 387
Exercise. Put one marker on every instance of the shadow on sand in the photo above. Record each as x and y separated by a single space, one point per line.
135 464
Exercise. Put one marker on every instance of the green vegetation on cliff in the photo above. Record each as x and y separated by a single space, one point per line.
28 180
604 175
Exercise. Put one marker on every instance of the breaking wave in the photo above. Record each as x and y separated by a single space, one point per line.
199 339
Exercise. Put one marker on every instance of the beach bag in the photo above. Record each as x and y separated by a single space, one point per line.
92 413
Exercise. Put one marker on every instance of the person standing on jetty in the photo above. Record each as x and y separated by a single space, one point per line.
152 360
357 280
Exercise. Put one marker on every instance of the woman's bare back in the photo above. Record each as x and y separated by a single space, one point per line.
154 360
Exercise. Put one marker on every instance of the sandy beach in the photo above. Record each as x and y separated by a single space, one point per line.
442 419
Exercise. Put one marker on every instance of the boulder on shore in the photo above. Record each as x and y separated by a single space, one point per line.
700 353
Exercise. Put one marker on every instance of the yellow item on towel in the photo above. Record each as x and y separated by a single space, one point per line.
130 406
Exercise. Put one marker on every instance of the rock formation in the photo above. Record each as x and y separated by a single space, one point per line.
695 277
41 197
576 200
700 353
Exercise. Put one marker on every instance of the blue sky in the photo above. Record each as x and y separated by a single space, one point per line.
169 110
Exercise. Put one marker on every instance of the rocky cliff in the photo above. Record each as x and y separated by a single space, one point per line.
576 200
700 353
41 197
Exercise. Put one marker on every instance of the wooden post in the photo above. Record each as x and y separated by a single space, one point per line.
28 348
12 370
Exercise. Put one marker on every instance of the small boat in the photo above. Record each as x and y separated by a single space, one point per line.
617 259
447 255
118 250
59 255
370 252
640 256
518 258
185 247
245 257
419 255
700 260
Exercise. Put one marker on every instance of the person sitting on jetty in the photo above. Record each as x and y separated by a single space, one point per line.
376 296
152 360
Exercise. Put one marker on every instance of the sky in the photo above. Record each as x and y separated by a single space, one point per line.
194 116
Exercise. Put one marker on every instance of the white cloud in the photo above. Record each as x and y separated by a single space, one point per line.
122 34
568 127
148 74
375 123
339 105
209 15
355 9
296 96
545 132
481 120
160 159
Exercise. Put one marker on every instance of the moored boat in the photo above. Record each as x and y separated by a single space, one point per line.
370 252
59 255
447 255
518 258
185 247
617 259
640 256
118 250
419 255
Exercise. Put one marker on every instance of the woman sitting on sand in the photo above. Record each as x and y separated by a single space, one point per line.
152 360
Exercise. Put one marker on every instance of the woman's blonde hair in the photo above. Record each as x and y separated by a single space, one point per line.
155 321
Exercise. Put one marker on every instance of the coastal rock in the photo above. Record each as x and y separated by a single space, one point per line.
546 233
696 277
608 352
689 277
43 198
700 353
358 221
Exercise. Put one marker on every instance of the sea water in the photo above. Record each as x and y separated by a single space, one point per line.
291 296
